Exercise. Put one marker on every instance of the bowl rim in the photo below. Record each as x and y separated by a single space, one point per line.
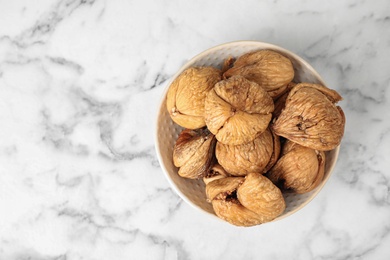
264 45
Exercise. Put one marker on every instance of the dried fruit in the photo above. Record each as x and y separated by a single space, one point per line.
260 195
186 94
311 118
267 68
300 169
248 201
236 110
254 156
223 187
216 172
194 153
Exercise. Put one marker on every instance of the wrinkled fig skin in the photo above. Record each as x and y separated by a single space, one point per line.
254 156
194 153
267 68
310 117
233 212
260 195
299 170
245 201
236 110
186 95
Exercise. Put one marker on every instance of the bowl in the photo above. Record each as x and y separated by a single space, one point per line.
193 191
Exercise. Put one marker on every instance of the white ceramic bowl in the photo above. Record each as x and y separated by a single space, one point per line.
193 191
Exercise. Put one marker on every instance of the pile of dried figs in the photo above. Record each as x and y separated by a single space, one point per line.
252 133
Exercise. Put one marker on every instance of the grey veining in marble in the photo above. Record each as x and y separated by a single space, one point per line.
80 82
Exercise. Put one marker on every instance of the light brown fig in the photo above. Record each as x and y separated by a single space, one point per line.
245 201
214 173
223 187
193 153
260 195
237 110
311 118
267 68
186 95
232 211
299 170
254 156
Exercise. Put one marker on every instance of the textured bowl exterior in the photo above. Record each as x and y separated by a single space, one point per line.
193 191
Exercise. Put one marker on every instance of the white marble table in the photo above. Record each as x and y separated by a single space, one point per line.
80 81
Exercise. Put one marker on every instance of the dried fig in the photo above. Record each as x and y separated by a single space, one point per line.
223 187
186 94
248 201
194 153
311 118
260 195
300 169
236 110
216 172
254 156
267 68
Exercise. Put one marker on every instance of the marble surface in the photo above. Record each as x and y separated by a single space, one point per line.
80 82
